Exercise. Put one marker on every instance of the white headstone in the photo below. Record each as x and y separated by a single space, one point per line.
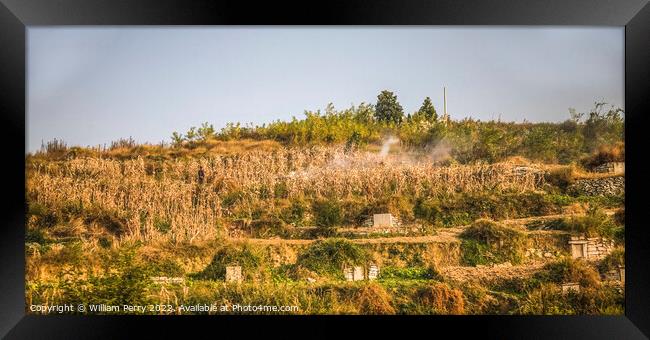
348 273
358 273
382 220
373 272
570 287
233 274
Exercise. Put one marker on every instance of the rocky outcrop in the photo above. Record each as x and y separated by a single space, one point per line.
606 186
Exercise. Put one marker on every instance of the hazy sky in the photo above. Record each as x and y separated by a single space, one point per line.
89 86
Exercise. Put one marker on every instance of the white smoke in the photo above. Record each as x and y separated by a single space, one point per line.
440 152
386 146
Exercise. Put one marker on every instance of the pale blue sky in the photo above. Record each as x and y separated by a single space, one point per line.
91 85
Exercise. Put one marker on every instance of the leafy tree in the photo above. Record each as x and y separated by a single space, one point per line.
177 139
191 134
364 113
427 110
603 127
206 131
388 109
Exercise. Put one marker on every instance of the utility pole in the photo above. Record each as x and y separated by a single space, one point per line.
445 117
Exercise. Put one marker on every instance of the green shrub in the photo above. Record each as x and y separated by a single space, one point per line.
410 273
486 242
327 213
162 225
167 267
594 223
281 190
476 253
249 258
232 198
427 210
33 235
328 257
463 208
612 261
569 270
548 299
296 212
356 210
124 280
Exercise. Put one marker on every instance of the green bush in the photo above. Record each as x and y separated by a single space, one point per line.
427 210
110 220
104 242
548 299
249 258
327 213
594 223
410 273
476 253
162 225
232 198
486 242
612 261
167 267
464 208
328 257
569 270
125 280
296 212
33 235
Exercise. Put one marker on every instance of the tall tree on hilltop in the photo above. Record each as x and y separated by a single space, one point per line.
388 109
427 110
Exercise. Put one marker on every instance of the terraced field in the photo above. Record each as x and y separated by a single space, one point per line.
294 227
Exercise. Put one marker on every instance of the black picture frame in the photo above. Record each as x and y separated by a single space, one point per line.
17 15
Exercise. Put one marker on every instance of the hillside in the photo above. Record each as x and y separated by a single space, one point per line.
484 224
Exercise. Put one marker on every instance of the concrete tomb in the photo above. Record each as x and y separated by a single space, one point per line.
373 272
383 220
233 274
570 287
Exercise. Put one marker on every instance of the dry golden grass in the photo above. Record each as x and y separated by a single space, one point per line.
141 192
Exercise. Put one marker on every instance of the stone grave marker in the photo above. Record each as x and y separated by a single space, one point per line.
382 220
621 273
355 273
570 287
348 273
358 273
233 274
373 272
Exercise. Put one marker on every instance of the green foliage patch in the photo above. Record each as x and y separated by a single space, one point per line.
329 256
486 242
251 259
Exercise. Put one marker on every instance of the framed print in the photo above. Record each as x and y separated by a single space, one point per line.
386 167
